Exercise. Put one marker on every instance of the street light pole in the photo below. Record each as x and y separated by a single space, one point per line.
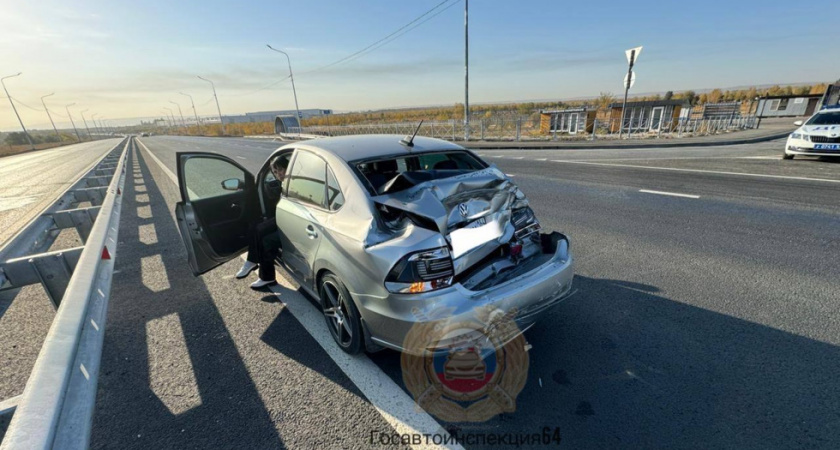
67 108
218 108
183 123
292 76
85 121
50 116
197 123
95 127
466 70
3 82
171 116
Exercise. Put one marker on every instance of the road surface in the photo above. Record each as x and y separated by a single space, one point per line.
706 315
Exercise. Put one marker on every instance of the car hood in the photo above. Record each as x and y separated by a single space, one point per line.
821 130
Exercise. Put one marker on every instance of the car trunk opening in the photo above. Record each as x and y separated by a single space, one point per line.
491 232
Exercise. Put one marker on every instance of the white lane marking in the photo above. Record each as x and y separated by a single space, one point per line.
510 174
241 157
517 157
541 159
673 194
395 406
761 157
715 172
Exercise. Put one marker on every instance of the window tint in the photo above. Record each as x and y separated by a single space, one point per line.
203 177
335 199
306 182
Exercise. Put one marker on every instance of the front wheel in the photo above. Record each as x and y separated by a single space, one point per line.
340 314
787 156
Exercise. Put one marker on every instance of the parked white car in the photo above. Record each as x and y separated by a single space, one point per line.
819 136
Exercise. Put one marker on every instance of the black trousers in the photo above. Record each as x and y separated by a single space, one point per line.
264 246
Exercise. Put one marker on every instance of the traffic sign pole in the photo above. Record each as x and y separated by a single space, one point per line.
632 54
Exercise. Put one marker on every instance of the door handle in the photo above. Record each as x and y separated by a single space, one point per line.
310 230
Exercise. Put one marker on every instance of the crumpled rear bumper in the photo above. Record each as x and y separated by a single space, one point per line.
388 320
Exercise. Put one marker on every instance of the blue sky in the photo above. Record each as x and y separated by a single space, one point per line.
129 59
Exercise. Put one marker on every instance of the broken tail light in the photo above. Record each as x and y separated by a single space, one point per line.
421 272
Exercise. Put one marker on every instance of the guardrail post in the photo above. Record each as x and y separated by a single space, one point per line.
518 128
482 129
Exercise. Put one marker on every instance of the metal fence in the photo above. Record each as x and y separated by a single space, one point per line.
528 128
56 407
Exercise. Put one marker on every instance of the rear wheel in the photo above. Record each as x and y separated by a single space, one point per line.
340 314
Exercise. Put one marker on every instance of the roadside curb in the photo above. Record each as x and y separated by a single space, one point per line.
620 145
575 145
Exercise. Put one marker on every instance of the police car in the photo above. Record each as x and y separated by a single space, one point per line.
819 136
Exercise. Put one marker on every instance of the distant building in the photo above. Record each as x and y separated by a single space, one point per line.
569 120
270 116
787 105
643 116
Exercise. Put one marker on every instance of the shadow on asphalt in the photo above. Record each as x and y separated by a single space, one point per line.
619 366
129 414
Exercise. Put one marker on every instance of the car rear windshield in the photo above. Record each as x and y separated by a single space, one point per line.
828 118
393 174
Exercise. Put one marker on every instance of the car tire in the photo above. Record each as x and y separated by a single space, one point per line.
787 156
340 314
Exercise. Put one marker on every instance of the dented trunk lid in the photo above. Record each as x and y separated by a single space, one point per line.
472 211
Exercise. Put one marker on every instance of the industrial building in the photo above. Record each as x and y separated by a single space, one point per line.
788 105
569 120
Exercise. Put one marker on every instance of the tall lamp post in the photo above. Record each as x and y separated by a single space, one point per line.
3 82
50 116
172 117
95 128
197 123
85 121
292 76
183 123
466 70
218 108
67 108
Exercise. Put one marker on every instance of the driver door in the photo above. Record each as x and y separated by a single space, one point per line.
218 204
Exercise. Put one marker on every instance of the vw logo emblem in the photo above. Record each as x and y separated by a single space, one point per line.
462 208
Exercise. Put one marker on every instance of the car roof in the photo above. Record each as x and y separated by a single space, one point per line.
351 148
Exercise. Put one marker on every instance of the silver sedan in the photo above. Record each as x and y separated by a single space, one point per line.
387 233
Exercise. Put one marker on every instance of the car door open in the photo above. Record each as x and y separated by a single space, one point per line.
218 205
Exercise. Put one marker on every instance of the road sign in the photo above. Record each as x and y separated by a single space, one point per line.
628 53
632 80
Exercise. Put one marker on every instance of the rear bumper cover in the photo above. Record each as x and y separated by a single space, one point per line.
389 319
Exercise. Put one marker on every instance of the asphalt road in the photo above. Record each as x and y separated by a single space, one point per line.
33 180
30 182
704 319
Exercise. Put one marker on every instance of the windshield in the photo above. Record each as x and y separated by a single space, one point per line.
394 174
827 118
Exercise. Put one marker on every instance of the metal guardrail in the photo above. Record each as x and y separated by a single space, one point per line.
56 407
530 128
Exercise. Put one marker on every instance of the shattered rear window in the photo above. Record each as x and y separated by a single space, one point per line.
411 169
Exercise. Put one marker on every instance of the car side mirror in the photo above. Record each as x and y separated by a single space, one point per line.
798 123
233 184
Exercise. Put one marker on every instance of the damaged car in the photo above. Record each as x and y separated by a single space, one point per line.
383 231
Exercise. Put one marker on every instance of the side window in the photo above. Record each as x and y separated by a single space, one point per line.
307 179
335 199
204 177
